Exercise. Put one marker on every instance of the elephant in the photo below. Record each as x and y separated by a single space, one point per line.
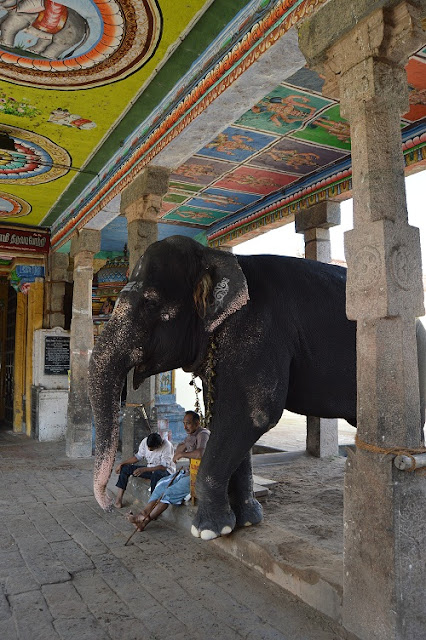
53 35
264 333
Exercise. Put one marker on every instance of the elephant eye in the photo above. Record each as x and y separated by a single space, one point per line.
151 295
165 316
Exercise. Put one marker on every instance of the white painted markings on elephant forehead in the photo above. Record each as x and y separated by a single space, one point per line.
132 286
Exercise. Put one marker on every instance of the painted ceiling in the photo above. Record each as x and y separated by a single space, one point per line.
91 91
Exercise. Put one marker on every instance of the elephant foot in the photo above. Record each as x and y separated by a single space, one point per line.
248 512
208 525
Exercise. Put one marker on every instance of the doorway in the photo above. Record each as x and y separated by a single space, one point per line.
7 346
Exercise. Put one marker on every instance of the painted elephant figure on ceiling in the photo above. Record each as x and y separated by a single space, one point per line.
54 28
282 341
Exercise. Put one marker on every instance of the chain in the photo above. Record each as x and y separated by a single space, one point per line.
211 361
197 390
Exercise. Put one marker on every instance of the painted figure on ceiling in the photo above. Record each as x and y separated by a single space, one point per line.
338 129
417 96
196 215
225 144
249 179
287 110
64 117
294 158
53 30
217 199
190 170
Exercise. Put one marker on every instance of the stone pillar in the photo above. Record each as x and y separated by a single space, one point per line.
169 414
322 437
385 509
141 204
79 423
55 286
226 247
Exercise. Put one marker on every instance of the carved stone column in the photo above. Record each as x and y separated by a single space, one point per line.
55 290
226 247
385 555
141 204
322 437
79 424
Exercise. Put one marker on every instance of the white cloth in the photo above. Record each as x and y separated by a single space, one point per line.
161 456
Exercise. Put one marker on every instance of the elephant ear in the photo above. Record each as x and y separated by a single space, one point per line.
221 289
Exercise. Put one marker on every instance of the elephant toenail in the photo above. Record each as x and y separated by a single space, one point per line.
195 532
226 530
206 534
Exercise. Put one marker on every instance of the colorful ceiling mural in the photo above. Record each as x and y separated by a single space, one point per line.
292 135
69 71
92 90
76 43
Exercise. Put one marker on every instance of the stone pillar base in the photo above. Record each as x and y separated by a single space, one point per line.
385 550
322 437
79 449
167 408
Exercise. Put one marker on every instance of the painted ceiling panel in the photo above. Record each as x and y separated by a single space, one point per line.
90 90
116 45
284 110
259 182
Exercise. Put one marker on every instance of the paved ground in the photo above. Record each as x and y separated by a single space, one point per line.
66 574
290 433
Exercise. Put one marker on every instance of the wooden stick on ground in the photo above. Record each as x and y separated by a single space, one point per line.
131 536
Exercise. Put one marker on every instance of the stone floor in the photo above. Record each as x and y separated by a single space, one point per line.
66 574
290 433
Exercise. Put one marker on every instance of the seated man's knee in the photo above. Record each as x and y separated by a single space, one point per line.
127 469
156 476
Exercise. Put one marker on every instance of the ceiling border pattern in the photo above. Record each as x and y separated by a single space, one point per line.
261 36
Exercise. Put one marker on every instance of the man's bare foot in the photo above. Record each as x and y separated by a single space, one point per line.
140 520
118 504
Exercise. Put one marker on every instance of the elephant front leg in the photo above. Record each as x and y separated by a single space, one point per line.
43 39
246 508
214 515
225 467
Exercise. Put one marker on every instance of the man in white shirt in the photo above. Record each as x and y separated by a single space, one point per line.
158 454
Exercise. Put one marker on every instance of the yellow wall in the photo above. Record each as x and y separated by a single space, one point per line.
29 308
19 362
3 324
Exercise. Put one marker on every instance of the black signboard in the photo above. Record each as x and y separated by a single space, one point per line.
56 355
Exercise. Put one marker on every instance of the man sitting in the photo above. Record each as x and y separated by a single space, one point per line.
174 490
158 454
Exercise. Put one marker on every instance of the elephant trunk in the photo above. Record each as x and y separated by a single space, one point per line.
107 373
